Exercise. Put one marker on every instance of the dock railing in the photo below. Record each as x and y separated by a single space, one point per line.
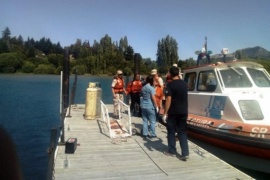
106 117
125 116
52 150
60 132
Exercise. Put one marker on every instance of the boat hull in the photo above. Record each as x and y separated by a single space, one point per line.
234 158
236 140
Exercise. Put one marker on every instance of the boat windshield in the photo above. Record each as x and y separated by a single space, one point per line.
235 78
259 77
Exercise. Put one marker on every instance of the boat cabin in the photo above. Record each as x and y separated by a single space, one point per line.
235 91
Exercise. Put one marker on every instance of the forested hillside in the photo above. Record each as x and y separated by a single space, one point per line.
102 57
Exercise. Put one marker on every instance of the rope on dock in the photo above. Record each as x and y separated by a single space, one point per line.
151 159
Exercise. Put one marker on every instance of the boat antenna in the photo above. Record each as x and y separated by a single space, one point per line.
203 52
205 44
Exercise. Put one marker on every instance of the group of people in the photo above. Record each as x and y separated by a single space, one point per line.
154 96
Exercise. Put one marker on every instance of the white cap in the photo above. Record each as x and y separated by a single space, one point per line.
119 72
154 71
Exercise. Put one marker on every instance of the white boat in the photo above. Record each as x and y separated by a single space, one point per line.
229 110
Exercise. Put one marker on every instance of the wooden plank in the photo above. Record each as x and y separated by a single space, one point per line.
99 157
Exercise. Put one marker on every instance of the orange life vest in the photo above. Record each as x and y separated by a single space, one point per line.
128 89
136 86
119 86
158 95
156 78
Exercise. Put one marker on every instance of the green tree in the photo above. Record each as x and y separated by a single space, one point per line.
75 49
167 52
6 34
129 54
45 69
123 44
6 38
17 44
45 45
106 44
80 69
57 49
30 48
28 67
3 47
95 48
10 62
56 59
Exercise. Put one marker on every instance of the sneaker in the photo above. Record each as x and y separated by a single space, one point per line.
152 137
169 154
183 158
144 137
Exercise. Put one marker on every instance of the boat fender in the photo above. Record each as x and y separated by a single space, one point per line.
211 123
239 128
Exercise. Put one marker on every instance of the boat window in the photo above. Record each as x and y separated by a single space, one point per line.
259 77
250 110
190 79
235 78
207 81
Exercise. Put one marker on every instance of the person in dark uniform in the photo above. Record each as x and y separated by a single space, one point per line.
176 108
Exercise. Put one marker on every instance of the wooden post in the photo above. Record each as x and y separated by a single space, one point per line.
137 58
65 90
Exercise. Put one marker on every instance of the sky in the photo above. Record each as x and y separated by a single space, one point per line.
232 24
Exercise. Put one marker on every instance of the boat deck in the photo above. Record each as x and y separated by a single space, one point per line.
99 157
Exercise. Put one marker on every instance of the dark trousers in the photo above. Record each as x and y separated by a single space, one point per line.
179 123
135 99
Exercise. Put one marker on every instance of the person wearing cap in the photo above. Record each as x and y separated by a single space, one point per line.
118 88
157 80
158 96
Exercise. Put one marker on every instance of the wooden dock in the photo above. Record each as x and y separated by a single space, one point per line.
99 157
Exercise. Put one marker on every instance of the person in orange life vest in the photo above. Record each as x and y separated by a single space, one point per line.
118 89
157 79
134 89
158 96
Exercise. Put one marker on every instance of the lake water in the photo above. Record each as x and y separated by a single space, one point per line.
29 108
